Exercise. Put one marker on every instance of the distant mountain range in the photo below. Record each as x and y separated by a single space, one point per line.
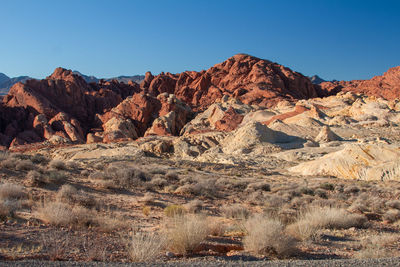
125 79
316 79
6 82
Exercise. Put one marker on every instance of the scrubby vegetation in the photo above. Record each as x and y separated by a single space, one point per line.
158 212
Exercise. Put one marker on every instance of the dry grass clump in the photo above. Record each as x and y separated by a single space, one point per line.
39 159
316 218
262 186
174 210
9 191
36 178
171 176
266 236
8 163
10 199
62 214
394 204
274 203
55 213
8 208
392 215
121 177
351 189
376 246
235 211
186 233
144 247
206 188
194 206
57 165
327 186
159 182
72 165
25 165
69 194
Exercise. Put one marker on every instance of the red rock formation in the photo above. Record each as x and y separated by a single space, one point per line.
250 79
65 100
229 121
386 86
144 109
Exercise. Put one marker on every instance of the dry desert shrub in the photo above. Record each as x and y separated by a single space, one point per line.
327 186
235 211
186 233
34 178
25 165
351 189
206 188
262 186
10 199
39 159
316 218
174 210
55 213
72 165
8 208
376 246
57 165
40 178
216 226
122 177
144 247
266 236
159 182
69 194
392 215
4 155
9 191
172 176
394 204
55 177
61 214
8 163
194 206
274 203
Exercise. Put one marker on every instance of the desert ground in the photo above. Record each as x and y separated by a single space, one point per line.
313 179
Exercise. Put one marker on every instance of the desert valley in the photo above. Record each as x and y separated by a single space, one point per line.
248 160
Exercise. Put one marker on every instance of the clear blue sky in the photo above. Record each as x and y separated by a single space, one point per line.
334 39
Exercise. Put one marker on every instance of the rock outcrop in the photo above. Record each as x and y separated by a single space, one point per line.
363 162
249 79
385 86
66 106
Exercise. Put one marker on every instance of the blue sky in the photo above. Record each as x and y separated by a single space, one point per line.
335 39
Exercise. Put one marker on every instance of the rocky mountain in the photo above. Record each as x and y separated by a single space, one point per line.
124 79
316 79
6 82
65 108
386 86
249 79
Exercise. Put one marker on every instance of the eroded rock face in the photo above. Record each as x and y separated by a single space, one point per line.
65 100
162 115
363 162
229 96
249 79
385 86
